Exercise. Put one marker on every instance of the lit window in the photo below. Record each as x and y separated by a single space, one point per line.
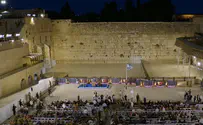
8 35
17 34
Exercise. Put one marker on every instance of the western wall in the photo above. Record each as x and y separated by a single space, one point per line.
117 42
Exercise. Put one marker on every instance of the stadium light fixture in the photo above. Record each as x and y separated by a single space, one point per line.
3 2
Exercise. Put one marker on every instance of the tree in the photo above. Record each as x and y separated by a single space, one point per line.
88 17
129 10
158 10
53 15
66 12
109 12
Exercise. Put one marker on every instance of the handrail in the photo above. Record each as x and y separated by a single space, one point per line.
145 71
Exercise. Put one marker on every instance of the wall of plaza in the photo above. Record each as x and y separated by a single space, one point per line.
11 56
13 83
117 42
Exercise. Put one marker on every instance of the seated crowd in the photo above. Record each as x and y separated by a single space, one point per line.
103 109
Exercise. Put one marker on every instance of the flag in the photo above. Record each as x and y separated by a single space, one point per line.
129 67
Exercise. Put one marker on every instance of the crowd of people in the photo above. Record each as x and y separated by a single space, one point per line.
106 109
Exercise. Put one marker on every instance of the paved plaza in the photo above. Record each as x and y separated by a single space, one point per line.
164 69
156 68
70 92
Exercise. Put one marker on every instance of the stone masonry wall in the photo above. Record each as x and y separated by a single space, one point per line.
117 42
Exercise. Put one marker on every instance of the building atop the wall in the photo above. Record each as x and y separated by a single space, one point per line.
186 17
12 13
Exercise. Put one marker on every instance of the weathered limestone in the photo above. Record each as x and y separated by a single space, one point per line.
116 42
9 61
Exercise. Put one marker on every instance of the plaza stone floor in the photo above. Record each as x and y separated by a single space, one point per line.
165 69
154 69
70 92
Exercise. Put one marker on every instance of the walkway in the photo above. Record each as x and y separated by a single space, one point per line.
11 98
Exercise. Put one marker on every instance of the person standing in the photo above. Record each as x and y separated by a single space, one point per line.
195 99
37 95
20 103
138 97
31 89
145 100
14 109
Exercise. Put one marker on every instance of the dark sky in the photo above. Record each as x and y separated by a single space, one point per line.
83 6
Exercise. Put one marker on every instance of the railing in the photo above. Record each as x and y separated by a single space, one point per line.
145 71
18 70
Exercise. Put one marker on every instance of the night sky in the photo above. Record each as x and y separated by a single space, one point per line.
83 6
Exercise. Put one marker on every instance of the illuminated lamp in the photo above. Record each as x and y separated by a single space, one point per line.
17 34
34 15
5 12
1 36
12 41
194 57
198 63
42 15
28 14
8 35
